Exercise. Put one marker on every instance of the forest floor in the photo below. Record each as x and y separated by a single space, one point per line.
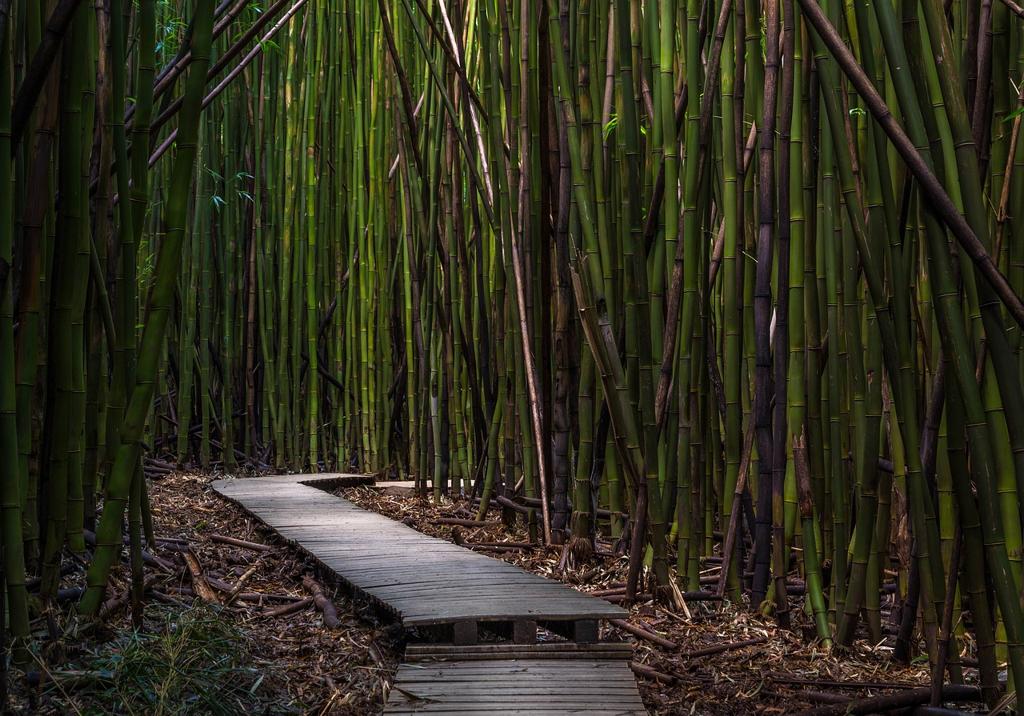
198 658
224 656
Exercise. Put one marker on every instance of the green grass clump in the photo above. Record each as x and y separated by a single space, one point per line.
195 662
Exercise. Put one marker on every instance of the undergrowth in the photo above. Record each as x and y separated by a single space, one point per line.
193 662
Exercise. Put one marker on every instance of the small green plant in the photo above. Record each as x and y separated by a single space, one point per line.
196 662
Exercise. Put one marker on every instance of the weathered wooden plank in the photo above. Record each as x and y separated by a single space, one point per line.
468 670
409 706
551 690
543 650
547 697
487 583
538 687
419 614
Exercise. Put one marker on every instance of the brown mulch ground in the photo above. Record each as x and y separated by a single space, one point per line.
765 678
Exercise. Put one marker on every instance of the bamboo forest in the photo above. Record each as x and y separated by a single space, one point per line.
511 356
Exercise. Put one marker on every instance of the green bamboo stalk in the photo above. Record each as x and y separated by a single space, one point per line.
108 538
10 495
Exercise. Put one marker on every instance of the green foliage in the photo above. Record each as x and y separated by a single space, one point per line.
1014 114
170 34
195 663
610 126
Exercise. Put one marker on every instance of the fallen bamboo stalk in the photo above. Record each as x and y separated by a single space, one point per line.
219 584
702 597
600 512
167 599
464 522
649 673
900 700
258 597
826 684
289 608
495 548
199 583
719 648
322 602
815 697
254 546
617 598
645 634
512 505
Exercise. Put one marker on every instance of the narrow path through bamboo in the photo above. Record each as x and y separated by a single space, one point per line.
443 592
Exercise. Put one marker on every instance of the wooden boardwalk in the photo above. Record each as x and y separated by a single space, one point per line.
443 592
516 686
422 580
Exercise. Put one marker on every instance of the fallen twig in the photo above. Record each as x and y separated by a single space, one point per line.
241 583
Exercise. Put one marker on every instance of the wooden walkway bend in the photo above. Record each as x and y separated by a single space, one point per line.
441 592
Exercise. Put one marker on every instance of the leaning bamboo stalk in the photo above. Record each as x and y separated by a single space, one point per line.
157 313
39 68
255 52
941 203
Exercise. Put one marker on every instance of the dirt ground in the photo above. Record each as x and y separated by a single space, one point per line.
242 659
